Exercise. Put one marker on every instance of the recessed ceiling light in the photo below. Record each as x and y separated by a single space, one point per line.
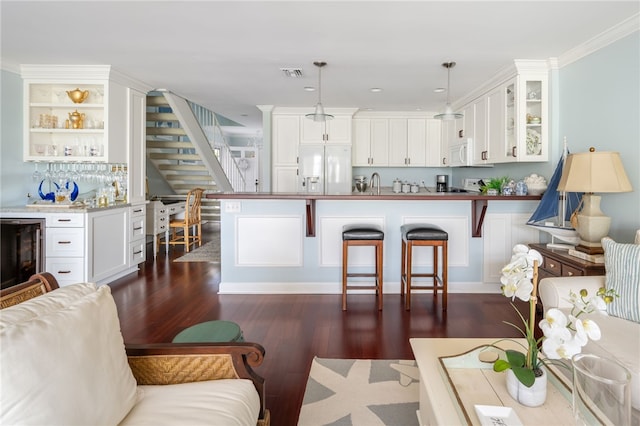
310 89
376 89
440 90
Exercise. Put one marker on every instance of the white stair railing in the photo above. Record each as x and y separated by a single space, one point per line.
217 141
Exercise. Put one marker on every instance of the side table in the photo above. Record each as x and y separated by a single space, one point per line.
558 263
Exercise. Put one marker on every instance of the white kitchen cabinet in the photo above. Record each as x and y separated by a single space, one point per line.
66 247
512 116
480 146
532 118
370 142
496 135
434 154
58 130
137 235
285 141
398 155
286 137
107 236
336 130
446 141
137 159
408 142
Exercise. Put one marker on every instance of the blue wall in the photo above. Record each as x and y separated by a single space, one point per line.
600 108
15 175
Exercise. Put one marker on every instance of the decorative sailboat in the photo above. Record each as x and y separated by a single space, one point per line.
554 211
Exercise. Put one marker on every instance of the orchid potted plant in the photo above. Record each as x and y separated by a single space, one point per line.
563 336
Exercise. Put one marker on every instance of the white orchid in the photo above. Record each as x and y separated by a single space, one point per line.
559 342
564 336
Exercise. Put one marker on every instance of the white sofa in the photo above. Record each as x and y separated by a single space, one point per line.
63 362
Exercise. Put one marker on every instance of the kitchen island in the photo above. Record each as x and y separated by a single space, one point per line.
291 242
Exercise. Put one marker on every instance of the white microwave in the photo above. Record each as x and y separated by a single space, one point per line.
461 153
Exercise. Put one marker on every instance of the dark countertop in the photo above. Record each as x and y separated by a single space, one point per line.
385 195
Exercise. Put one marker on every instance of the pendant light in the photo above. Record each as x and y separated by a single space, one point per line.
448 113
318 114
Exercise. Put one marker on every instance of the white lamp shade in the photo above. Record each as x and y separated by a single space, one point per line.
594 172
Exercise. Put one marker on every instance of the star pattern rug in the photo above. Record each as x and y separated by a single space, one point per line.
361 393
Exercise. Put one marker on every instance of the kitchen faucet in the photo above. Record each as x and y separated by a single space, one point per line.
373 181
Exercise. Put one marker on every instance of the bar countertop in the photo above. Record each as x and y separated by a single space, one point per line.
478 201
386 194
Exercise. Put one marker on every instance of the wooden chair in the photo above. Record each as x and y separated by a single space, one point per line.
192 222
37 285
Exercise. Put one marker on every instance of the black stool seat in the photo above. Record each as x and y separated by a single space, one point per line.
362 232
421 231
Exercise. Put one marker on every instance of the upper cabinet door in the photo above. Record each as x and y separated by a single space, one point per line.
417 142
379 142
286 137
336 130
398 142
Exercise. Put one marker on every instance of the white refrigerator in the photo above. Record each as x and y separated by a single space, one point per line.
324 168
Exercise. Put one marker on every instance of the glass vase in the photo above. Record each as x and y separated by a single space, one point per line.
601 391
534 396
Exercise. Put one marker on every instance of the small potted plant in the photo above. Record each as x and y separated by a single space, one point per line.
494 186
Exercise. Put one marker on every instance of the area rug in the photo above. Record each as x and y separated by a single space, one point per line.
361 393
208 252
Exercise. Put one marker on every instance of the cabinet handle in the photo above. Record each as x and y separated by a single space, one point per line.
162 219
137 252
138 228
444 161
137 211
514 151
64 220
64 272
64 242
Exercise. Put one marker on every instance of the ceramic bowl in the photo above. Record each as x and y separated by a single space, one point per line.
536 189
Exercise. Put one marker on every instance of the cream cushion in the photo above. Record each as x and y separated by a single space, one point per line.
46 303
620 338
217 402
66 366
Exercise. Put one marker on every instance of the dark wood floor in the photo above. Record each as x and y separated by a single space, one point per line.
164 297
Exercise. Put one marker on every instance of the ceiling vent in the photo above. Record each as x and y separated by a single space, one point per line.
292 72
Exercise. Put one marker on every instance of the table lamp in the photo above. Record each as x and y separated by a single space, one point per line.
592 172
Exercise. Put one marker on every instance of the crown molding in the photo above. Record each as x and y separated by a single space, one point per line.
613 34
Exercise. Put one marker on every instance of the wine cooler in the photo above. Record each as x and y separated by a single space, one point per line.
22 249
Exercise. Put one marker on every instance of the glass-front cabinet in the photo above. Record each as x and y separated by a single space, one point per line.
74 114
529 140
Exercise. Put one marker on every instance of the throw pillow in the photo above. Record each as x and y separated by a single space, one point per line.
622 264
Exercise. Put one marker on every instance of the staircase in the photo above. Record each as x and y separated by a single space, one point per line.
187 147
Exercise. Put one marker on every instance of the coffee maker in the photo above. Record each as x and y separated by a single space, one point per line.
442 183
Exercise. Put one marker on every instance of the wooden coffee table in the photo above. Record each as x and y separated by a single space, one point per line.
441 404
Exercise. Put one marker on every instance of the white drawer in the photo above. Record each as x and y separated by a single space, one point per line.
137 252
66 270
65 220
136 230
65 242
137 211
176 208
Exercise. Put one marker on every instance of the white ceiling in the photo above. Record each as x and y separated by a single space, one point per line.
227 55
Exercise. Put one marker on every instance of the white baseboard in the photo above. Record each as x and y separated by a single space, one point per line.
336 288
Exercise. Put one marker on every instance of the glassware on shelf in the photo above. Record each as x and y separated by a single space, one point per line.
36 176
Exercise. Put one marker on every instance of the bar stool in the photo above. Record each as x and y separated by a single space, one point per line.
423 234
362 235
